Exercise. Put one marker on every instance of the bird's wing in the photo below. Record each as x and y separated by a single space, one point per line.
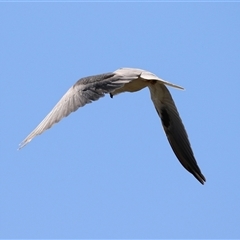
84 91
174 129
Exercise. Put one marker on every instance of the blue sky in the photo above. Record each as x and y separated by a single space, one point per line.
107 171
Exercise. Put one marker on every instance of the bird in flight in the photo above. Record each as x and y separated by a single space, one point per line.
92 88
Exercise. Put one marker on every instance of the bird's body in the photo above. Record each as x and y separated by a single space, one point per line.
91 88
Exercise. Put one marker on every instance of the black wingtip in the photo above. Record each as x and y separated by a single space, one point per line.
199 177
111 95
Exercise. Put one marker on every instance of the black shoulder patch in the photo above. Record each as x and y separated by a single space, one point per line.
165 117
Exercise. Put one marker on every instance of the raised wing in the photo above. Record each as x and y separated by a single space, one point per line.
84 91
174 129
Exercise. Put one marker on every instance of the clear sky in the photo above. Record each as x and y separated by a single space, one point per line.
107 171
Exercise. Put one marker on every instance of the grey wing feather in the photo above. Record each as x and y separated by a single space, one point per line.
175 131
82 92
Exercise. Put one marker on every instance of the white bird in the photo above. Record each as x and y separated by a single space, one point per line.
91 88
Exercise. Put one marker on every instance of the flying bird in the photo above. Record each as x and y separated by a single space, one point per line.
92 88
